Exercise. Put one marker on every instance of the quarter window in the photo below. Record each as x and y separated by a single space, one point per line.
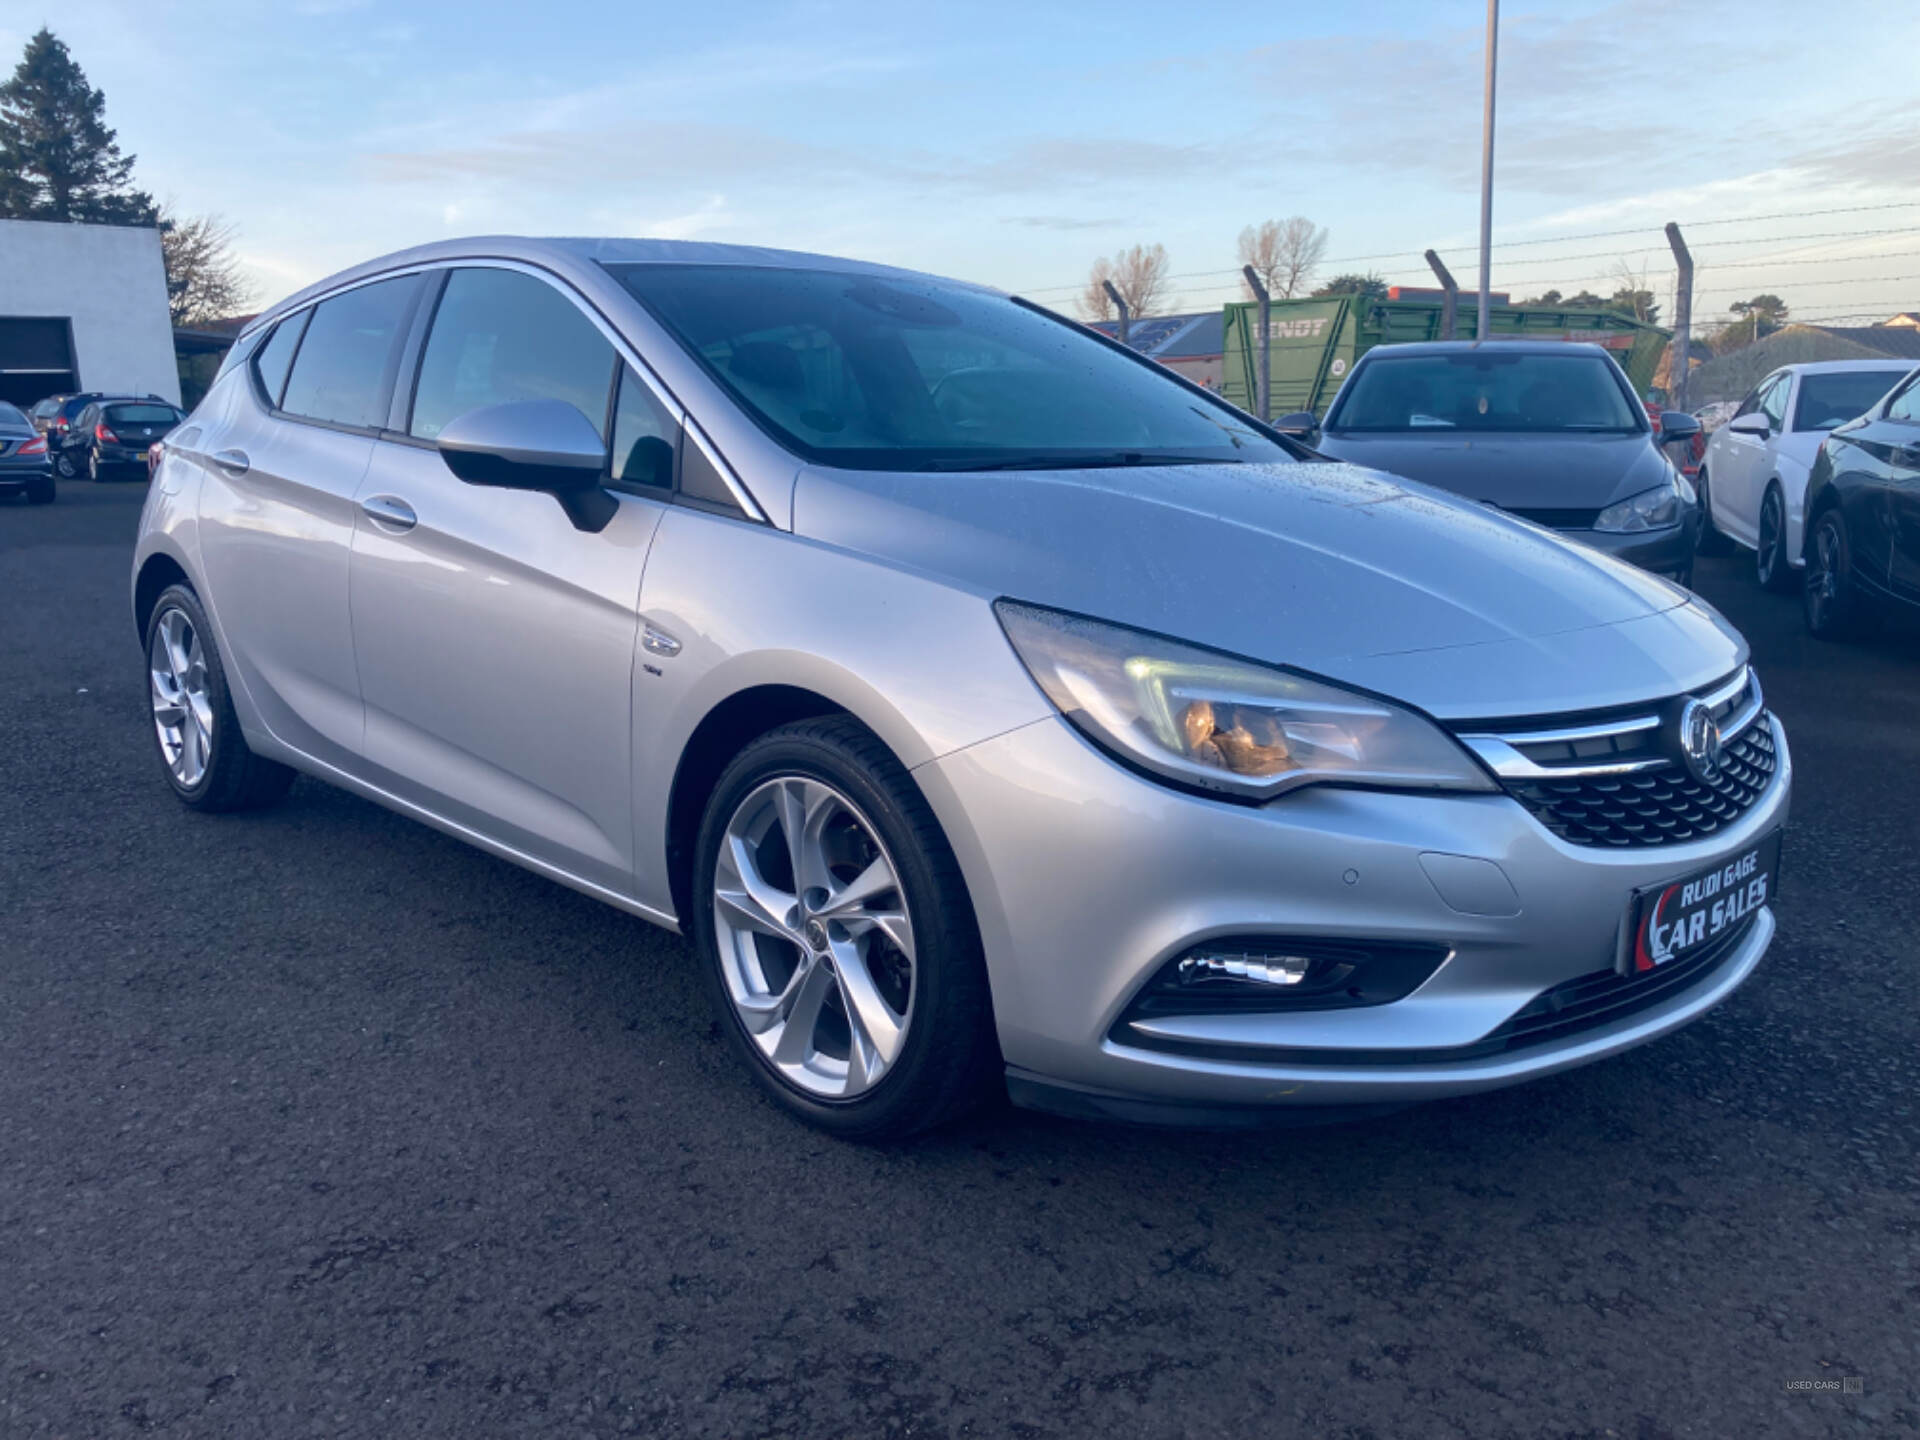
276 356
340 373
644 435
501 336
1906 405
1773 401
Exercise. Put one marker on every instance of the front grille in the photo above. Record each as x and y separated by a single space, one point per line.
1665 805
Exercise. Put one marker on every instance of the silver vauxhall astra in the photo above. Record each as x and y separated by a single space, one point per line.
990 706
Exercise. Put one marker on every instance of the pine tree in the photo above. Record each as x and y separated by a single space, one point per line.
58 159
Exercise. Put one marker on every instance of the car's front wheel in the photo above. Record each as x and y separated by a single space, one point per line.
1770 566
838 937
1831 600
63 465
204 755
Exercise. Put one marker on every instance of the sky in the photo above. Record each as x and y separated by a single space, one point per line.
1013 143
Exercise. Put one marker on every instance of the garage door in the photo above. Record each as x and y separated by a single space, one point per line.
36 358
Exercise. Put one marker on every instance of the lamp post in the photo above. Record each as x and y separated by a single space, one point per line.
1486 174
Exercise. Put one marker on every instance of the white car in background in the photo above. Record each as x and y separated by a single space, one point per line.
1753 481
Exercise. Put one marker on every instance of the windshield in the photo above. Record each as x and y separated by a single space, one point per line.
1843 395
903 373
1486 390
141 415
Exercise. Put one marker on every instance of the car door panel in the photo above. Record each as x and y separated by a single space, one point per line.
275 537
496 649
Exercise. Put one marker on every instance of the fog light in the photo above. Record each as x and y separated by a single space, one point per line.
1278 970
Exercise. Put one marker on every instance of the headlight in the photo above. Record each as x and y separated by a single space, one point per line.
1220 723
1649 510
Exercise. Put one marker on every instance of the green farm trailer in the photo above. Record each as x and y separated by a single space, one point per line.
1315 342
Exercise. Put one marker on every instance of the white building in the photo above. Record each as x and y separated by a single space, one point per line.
83 307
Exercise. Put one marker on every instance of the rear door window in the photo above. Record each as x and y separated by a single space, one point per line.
342 372
501 336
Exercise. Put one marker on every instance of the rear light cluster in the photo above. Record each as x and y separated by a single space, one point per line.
104 435
36 446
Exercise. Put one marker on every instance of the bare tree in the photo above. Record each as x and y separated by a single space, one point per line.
1095 303
1139 274
1284 253
1633 293
203 274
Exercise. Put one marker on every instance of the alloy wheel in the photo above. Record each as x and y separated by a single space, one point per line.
1769 555
64 466
816 943
182 702
1823 574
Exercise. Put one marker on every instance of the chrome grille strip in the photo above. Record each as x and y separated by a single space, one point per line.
1504 752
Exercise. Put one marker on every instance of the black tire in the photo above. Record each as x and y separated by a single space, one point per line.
41 492
1770 565
1831 601
235 778
94 471
950 1060
1712 542
64 467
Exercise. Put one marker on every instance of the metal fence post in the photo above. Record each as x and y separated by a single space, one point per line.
1266 341
1678 373
1450 303
1121 306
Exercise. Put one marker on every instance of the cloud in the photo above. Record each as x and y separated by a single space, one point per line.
1065 222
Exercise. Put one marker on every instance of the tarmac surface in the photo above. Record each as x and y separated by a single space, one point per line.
317 1122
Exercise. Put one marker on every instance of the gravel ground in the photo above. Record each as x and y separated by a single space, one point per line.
316 1122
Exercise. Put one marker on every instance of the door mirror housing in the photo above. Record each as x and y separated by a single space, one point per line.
1752 423
1677 425
545 445
1302 423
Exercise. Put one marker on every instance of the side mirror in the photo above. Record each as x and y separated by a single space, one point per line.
1753 423
1301 423
543 445
1677 425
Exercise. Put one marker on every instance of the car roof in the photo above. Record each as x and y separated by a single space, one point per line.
1836 367
576 257
1505 347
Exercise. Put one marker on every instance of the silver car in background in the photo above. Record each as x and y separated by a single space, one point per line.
988 705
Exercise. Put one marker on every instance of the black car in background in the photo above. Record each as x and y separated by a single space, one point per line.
1863 517
24 468
112 436
58 418
1547 430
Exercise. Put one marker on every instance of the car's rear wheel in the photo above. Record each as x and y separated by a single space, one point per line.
204 755
1770 566
63 465
1712 542
838 937
1831 600
40 492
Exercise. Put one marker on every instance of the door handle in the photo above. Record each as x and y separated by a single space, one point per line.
389 512
234 462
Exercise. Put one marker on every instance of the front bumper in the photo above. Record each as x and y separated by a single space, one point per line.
1087 879
1668 553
